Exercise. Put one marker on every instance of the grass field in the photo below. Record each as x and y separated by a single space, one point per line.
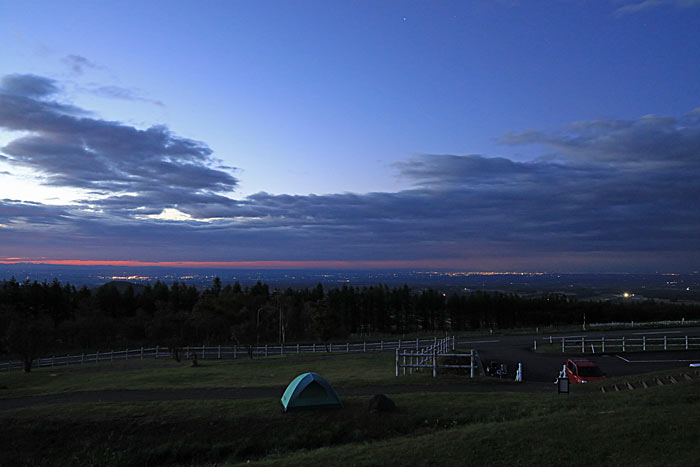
655 426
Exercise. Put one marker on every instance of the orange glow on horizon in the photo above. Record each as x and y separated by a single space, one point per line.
230 264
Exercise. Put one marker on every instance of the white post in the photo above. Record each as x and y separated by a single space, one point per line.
235 350
416 343
519 373
623 343
410 359
314 348
141 352
602 344
562 345
664 342
453 342
397 362
404 363
364 346
399 344
434 363
644 343
471 364
686 341
583 345
347 347
534 346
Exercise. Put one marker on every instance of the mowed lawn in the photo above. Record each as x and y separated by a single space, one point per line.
655 426
341 369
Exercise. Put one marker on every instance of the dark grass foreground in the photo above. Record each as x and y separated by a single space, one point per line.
657 426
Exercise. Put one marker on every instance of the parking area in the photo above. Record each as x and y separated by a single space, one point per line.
544 367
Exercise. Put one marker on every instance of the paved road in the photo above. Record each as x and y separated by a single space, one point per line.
544 367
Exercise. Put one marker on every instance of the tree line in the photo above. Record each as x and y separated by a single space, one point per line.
38 317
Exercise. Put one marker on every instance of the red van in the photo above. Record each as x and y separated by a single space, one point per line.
580 370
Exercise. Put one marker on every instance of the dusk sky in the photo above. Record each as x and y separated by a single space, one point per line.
557 136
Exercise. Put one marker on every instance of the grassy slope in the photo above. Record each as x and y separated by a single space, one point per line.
342 370
656 426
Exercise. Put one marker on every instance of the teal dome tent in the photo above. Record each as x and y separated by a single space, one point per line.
310 391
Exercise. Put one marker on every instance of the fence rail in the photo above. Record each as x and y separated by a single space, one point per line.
221 352
626 344
428 358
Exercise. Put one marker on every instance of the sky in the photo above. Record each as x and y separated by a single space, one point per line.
484 135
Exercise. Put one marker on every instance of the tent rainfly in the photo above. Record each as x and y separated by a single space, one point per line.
310 391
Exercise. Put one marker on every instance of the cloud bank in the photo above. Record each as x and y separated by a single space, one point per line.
126 168
611 195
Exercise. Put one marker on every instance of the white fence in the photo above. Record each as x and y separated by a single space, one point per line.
408 360
219 352
626 344
632 324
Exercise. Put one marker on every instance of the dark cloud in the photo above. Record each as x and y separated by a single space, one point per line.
649 139
639 6
78 63
31 86
618 195
73 150
117 92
